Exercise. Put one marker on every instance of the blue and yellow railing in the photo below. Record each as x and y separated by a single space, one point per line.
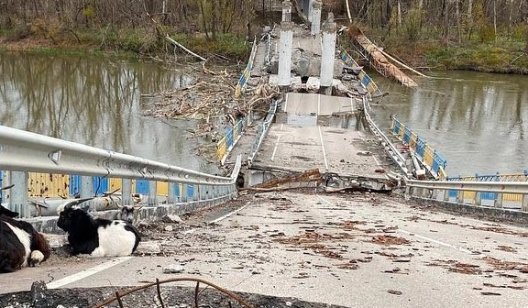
246 74
429 157
231 137
506 200
364 78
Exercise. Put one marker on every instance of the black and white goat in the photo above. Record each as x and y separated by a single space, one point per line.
97 237
20 243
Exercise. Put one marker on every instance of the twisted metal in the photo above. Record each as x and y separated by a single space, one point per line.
118 296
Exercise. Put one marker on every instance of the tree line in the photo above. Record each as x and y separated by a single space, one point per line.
183 16
457 20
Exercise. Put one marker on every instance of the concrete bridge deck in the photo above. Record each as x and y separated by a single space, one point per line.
319 131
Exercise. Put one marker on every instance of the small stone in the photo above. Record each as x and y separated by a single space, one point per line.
169 228
173 269
395 292
38 294
171 219
288 304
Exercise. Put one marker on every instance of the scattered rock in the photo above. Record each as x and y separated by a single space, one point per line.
506 248
148 248
173 269
395 292
169 228
38 294
171 219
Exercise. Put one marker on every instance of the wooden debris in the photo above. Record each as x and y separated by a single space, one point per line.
388 240
378 59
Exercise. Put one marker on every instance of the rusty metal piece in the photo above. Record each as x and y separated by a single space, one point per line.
306 176
159 293
119 299
196 290
118 296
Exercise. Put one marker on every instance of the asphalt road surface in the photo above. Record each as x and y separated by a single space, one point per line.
351 250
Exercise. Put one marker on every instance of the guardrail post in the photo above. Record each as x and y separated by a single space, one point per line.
126 191
152 195
86 190
18 194
172 198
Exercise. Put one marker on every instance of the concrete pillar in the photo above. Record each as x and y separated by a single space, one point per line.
285 53
328 52
286 10
316 17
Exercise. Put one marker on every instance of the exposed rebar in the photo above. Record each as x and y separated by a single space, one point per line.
225 291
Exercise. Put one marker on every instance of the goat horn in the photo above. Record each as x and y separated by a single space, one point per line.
106 194
77 202
7 187
39 204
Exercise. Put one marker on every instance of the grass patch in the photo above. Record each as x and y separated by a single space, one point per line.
52 39
487 57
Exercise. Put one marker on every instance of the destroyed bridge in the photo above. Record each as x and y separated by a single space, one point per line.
320 206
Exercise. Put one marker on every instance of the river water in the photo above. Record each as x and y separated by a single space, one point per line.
95 101
478 121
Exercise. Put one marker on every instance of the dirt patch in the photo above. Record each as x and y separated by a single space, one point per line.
316 242
506 265
352 224
388 240
500 230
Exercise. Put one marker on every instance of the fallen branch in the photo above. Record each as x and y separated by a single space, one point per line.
168 38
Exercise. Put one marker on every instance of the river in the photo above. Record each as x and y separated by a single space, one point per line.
477 121
96 101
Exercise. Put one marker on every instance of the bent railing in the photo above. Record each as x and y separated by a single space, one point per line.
263 131
365 80
246 74
22 152
507 195
385 141
433 161
231 137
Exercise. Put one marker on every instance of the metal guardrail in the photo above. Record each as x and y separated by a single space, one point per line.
429 157
233 134
22 152
246 74
490 198
509 195
387 144
263 131
364 78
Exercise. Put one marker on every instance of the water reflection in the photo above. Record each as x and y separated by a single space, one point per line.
478 121
96 102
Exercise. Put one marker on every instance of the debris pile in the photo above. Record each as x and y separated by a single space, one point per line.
211 96
388 240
